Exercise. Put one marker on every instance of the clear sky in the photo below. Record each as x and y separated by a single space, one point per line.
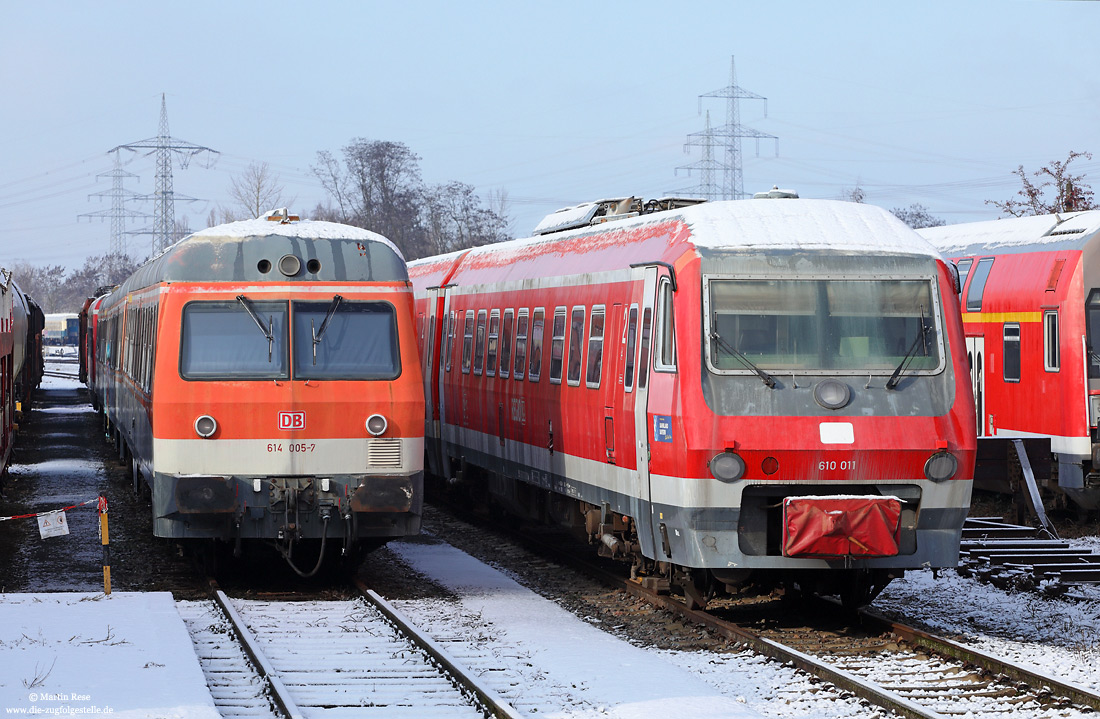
554 102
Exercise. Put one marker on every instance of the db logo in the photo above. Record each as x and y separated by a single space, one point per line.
292 420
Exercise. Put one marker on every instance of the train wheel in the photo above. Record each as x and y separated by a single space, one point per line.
135 475
860 587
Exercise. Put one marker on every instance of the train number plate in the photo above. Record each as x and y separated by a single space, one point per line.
292 420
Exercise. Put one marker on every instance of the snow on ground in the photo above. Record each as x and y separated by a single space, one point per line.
571 669
1058 636
555 665
127 655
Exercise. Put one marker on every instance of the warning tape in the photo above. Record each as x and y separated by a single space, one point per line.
100 502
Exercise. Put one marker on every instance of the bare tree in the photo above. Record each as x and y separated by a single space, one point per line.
98 271
43 284
55 292
379 187
1070 192
326 212
917 216
854 194
455 219
499 206
255 191
335 181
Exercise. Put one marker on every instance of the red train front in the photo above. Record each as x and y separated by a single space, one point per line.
771 388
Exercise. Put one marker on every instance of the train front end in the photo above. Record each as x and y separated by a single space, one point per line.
288 402
831 436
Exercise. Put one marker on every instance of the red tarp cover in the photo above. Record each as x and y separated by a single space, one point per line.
841 526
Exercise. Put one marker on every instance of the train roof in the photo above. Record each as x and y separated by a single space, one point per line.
252 251
800 225
302 229
1012 235
782 225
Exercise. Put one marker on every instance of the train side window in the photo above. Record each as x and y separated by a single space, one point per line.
467 341
451 322
538 326
576 346
152 358
631 345
494 344
506 343
1012 352
977 285
557 345
666 347
521 345
594 368
964 270
1051 360
479 343
643 359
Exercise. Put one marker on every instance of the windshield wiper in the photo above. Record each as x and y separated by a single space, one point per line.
247 303
767 378
922 336
317 335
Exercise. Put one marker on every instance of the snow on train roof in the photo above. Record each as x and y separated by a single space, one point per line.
800 224
304 229
1013 233
775 224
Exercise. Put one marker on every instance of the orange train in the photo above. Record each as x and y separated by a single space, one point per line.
770 391
261 378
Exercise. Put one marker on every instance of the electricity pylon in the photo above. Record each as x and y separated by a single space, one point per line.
164 208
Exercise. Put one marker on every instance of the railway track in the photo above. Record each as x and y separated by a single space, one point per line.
1011 556
357 657
900 668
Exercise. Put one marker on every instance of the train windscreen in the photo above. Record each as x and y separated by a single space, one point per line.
852 326
353 340
234 340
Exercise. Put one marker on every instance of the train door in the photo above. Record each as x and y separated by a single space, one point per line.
439 460
614 341
429 364
640 491
975 356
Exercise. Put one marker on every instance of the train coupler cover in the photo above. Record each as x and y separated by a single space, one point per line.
841 526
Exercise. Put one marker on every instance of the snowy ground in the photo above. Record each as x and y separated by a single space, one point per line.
559 666
126 655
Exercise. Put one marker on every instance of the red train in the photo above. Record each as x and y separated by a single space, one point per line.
770 390
1031 313
261 378
21 361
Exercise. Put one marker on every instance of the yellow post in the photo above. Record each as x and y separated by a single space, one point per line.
106 545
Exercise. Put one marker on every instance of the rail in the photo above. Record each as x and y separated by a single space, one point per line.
372 666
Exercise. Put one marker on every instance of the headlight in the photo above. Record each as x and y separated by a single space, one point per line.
727 467
941 466
376 424
205 426
290 265
832 394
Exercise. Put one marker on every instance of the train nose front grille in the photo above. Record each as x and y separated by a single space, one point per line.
384 453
